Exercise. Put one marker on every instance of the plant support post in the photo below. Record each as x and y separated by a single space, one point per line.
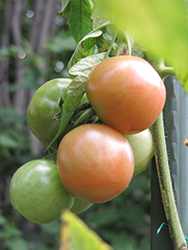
175 117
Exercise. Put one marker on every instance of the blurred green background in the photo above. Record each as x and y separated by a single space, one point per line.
35 47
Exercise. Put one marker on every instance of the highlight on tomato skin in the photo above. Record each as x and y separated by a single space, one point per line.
126 93
95 163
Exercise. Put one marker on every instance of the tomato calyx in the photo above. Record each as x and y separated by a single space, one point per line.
58 115
86 116
82 115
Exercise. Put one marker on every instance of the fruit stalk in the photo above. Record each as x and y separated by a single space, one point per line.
165 183
162 69
111 45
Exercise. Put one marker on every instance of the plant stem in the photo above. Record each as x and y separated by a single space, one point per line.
163 70
165 183
111 45
166 71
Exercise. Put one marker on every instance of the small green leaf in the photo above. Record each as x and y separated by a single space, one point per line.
64 4
75 235
76 91
85 65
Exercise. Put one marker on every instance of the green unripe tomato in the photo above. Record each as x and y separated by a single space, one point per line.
42 113
80 206
143 149
37 193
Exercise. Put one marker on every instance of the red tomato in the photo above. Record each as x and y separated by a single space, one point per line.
126 93
95 162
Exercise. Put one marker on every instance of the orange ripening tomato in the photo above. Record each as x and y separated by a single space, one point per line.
95 162
126 93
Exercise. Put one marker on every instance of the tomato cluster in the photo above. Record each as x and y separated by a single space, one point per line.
95 161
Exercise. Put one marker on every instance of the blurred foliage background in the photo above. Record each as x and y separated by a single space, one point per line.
36 46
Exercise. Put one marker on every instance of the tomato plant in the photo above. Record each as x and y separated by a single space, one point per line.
37 193
143 149
127 93
95 162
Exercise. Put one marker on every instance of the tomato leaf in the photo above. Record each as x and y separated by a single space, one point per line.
159 26
64 4
76 235
83 48
76 90
85 65
87 44
80 22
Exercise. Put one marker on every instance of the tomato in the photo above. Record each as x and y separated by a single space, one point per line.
44 107
37 193
143 149
80 206
44 112
126 93
95 162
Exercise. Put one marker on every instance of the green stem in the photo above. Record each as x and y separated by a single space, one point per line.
163 70
111 45
165 183
166 71
88 113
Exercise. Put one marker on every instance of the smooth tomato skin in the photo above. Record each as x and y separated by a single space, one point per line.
80 206
143 149
43 107
95 163
37 193
126 93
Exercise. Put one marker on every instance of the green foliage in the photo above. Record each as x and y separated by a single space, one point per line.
62 42
79 20
14 143
45 237
89 44
160 26
11 238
